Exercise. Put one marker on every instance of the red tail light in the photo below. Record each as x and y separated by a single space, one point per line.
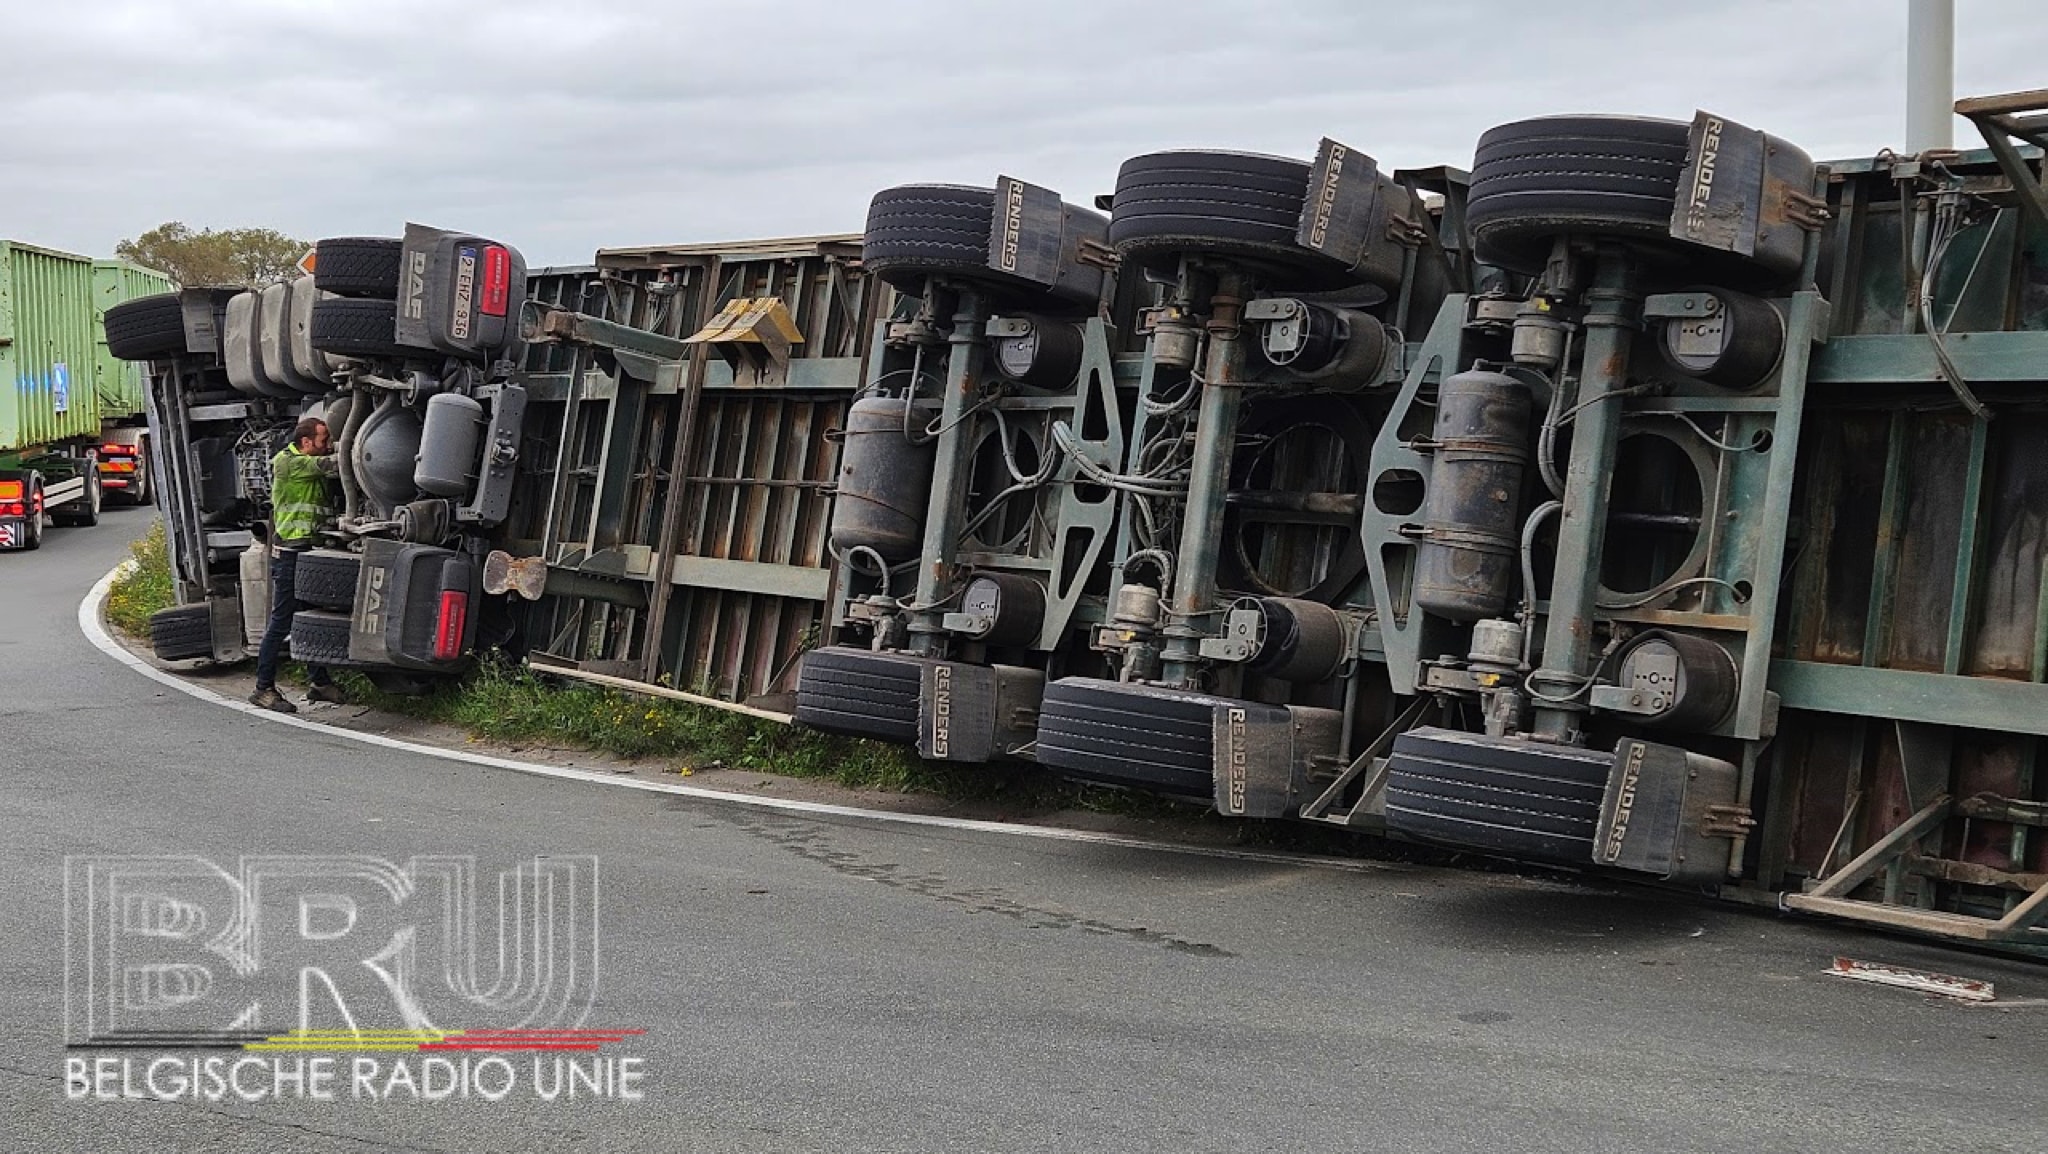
13 509
11 504
497 281
448 629
111 449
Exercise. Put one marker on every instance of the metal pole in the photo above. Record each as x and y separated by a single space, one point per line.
954 457
1611 322
1201 531
1930 75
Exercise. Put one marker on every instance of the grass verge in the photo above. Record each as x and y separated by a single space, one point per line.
513 705
143 585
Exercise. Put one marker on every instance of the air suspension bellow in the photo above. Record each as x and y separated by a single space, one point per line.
1724 338
1042 353
1302 641
1319 343
1672 681
1000 608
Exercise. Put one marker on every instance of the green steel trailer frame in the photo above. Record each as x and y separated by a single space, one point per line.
1860 534
1702 546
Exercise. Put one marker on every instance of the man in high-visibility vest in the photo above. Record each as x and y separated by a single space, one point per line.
300 477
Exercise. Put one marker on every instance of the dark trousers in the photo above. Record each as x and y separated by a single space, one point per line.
284 601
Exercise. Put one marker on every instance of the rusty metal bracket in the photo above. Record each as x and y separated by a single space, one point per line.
1405 721
1991 807
2003 119
1898 847
755 335
1892 845
1728 821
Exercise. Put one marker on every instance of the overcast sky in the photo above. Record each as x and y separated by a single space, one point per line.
567 126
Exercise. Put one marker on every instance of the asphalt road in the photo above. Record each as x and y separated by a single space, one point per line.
847 985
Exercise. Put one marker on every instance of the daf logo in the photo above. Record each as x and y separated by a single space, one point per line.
370 619
416 286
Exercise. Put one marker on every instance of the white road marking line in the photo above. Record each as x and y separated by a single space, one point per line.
95 631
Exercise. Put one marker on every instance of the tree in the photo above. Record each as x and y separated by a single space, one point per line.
229 256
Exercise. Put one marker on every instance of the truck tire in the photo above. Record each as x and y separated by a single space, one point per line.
1596 176
139 491
1108 733
358 328
182 633
320 637
919 230
146 328
1233 204
32 534
1499 796
357 266
326 578
860 692
85 513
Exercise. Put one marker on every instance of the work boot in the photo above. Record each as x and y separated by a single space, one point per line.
273 700
328 692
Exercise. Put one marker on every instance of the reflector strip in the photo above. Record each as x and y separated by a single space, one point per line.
1922 981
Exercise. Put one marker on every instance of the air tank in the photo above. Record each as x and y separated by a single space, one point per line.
255 574
448 445
885 483
1467 557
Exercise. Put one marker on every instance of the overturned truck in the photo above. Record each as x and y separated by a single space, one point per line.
1645 499
401 347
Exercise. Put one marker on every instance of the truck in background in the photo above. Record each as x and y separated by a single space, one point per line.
72 431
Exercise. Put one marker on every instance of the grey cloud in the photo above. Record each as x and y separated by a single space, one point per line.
567 128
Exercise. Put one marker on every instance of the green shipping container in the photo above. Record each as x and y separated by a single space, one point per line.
49 347
119 382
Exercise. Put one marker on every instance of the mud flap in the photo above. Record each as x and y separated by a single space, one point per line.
400 603
1263 753
975 713
1668 813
